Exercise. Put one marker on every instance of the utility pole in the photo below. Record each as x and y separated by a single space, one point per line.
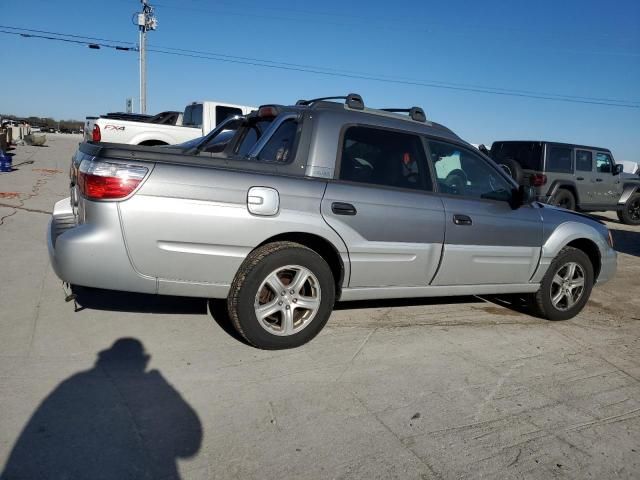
146 22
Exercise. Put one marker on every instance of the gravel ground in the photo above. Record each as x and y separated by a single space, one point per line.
135 386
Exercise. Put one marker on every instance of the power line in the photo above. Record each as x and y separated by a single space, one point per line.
93 45
67 35
346 74
433 83
584 100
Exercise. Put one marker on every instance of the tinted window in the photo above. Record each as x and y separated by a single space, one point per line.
251 135
527 154
559 160
193 116
222 113
280 147
219 142
603 162
584 161
461 172
382 157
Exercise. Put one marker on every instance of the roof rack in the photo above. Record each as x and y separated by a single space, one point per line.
415 113
353 100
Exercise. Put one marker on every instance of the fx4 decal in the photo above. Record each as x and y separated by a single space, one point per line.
118 128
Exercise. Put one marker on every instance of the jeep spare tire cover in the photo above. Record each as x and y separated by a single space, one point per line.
513 168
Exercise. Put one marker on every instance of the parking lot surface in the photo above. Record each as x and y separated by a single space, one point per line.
136 386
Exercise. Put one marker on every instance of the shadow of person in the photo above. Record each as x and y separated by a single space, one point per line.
114 421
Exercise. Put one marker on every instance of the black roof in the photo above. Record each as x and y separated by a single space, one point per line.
571 145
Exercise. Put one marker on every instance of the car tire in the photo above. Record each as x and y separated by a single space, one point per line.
565 288
274 320
513 169
630 214
564 198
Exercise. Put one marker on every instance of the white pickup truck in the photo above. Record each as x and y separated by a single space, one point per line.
198 119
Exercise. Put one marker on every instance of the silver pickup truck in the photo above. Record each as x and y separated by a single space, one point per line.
287 210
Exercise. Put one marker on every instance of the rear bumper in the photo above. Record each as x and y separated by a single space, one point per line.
93 254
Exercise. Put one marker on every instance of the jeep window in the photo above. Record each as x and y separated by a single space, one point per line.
222 113
383 157
603 162
527 154
193 116
461 172
280 147
559 160
584 161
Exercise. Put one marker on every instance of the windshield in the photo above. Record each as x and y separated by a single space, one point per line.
527 154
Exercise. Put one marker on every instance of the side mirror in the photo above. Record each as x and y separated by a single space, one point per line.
618 169
524 195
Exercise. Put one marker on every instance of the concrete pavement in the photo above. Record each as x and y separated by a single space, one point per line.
135 386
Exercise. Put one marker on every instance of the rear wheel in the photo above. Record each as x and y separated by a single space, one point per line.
566 286
282 296
564 198
630 214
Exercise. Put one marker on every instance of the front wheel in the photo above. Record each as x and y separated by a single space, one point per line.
282 296
630 214
566 286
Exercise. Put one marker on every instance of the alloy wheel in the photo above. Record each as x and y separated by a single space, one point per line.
288 299
634 209
567 286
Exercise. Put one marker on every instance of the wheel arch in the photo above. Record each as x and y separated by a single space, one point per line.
322 247
577 235
567 185
628 190
591 250
153 143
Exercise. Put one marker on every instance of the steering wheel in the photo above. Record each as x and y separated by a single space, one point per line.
456 181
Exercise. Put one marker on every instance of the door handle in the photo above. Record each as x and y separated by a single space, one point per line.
598 179
340 208
580 178
462 220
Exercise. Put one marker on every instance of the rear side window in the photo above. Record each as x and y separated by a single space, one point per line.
527 154
584 161
603 162
281 146
252 133
193 116
382 157
559 160
222 113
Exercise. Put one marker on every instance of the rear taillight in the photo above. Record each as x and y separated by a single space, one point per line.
108 181
96 136
538 180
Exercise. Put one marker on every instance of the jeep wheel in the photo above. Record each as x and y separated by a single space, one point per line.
564 198
566 286
282 296
630 214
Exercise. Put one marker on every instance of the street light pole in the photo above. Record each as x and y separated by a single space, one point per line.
142 40
146 22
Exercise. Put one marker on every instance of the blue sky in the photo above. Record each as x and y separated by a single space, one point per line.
575 47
